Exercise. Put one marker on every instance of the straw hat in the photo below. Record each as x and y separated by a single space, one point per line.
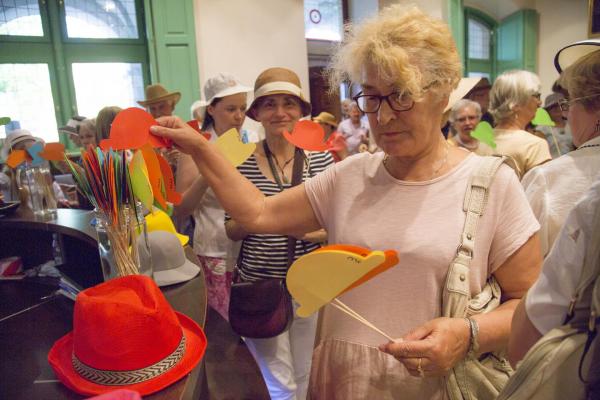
326 118
126 336
571 53
158 220
277 81
156 93
217 87
15 137
169 264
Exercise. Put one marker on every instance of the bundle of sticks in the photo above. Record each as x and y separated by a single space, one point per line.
103 178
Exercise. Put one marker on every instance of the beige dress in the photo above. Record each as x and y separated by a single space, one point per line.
481 148
526 149
360 203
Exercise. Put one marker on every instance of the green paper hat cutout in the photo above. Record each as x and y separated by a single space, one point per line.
4 120
484 133
542 118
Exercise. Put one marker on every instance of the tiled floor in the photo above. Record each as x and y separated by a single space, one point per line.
231 371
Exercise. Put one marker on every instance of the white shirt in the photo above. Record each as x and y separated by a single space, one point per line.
553 188
353 135
548 299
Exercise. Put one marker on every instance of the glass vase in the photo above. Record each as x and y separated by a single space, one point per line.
36 190
123 245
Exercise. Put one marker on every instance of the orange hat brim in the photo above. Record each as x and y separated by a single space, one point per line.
60 361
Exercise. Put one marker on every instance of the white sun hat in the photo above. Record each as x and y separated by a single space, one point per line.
573 52
219 86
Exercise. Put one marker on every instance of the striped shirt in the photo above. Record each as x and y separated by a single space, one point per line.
265 256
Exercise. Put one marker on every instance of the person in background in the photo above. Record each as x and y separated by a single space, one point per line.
464 117
104 121
278 104
87 133
224 109
408 198
480 94
553 188
71 129
197 111
335 140
559 136
346 108
515 98
353 129
161 103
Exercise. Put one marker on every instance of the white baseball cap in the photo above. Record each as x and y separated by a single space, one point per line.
219 86
170 266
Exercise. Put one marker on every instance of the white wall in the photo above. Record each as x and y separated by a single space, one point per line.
246 37
561 22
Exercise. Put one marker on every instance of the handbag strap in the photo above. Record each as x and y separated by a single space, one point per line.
456 292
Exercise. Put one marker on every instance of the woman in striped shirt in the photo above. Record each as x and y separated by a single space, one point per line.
278 104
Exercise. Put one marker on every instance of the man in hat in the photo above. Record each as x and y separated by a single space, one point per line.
481 94
559 136
159 101
335 141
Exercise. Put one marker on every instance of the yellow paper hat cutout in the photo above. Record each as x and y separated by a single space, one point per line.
318 277
158 220
233 148
140 184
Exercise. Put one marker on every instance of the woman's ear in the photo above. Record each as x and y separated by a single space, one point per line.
210 109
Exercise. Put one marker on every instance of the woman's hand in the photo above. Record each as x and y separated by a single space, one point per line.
183 136
432 349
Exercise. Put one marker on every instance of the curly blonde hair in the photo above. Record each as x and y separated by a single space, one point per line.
582 79
411 50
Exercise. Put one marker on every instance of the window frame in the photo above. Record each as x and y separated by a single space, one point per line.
474 64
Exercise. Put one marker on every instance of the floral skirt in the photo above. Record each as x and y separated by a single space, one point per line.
218 283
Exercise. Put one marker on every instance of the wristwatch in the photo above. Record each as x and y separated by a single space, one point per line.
473 343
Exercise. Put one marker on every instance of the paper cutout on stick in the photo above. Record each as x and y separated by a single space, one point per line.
34 151
484 133
317 278
307 135
542 118
169 180
53 152
16 158
131 130
196 125
154 175
139 180
4 120
233 148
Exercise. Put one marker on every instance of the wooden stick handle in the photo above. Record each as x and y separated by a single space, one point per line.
344 308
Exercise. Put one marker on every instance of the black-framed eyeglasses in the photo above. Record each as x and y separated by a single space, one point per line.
564 104
370 103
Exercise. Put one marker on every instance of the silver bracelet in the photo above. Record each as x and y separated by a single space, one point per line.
473 342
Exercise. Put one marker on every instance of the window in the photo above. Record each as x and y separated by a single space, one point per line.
480 44
323 19
69 57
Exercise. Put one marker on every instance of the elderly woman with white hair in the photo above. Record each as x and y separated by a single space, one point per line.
464 117
514 100
409 197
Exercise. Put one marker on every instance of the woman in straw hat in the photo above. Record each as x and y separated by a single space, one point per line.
278 104
224 109
335 140
409 197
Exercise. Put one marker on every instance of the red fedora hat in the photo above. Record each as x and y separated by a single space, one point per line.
126 335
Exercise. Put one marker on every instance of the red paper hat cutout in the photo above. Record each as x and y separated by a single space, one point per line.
126 335
307 135
16 158
196 125
53 152
131 130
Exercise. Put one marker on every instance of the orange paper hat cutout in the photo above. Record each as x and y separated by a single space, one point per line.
16 158
131 130
196 125
53 152
317 278
307 135
169 180
154 175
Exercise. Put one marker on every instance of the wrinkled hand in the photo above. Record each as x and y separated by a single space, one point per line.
183 136
440 344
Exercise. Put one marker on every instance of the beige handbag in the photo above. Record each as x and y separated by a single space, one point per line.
565 362
484 376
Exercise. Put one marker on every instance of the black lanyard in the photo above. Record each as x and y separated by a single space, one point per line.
297 170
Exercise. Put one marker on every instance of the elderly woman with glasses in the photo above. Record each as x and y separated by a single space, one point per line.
553 188
514 100
409 197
